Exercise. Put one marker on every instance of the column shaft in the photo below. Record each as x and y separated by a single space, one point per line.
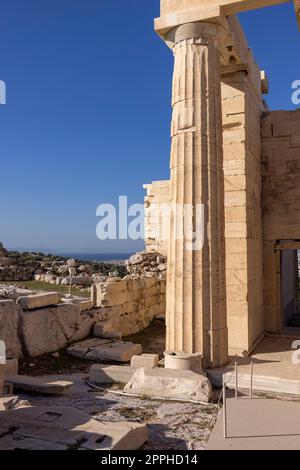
196 294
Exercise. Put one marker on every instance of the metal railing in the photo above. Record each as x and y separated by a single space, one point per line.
225 414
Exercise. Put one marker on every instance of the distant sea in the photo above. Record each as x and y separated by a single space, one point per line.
98 256
80 256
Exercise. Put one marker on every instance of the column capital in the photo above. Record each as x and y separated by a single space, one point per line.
202 30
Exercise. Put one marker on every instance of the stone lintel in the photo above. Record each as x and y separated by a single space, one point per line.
212 14
230 7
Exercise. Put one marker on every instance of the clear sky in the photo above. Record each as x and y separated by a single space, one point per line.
88 110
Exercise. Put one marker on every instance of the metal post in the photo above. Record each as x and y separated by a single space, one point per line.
236 380
251 379
224 410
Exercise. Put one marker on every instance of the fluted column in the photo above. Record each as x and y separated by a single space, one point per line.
196 294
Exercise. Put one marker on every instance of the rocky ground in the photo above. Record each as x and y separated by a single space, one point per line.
17 266
172 425
61 272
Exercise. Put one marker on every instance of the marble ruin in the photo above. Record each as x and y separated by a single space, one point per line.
240 162
230 153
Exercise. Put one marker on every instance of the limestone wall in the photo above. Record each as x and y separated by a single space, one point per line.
156 203
125 306
10 327
242 108
130 305
281 200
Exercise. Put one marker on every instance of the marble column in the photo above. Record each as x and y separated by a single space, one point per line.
196 293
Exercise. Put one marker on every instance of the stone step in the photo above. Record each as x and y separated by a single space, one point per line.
262 383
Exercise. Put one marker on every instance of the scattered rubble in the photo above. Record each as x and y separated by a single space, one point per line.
12 292
12 269
147 264
56 270
171 425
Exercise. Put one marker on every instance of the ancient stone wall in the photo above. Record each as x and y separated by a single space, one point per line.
281 200
130 305
242 109
124 306
10 327
157 201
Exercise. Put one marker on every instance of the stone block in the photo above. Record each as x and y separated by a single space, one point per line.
76 280
149 361
2 370
51 329
8 388
107 294
234 167
42 333
100 374
32 302
105 330
9 328
170 383
11 367
86 305
42 385
63 428
102 350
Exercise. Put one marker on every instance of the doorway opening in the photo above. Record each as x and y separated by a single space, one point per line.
290 287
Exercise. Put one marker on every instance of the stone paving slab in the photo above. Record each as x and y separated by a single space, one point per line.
63 428
41 385
104 350
258 424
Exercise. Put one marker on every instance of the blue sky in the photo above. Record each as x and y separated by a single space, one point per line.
88 111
